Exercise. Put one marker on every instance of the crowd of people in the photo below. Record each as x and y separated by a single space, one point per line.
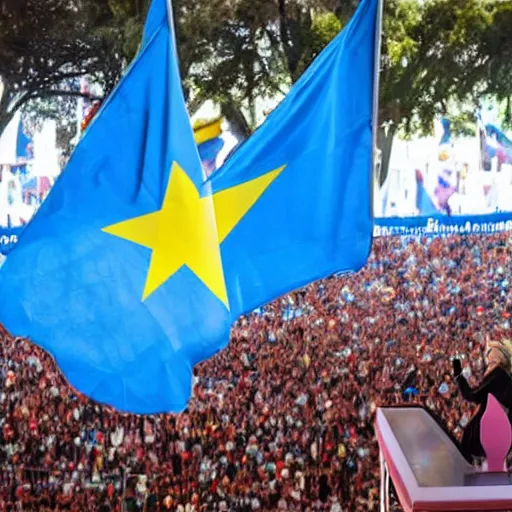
283 418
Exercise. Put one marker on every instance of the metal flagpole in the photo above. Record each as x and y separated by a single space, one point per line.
376 86
170 17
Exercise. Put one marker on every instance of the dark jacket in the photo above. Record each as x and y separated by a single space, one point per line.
498 383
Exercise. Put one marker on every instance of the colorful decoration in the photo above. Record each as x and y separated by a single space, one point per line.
205 130
445 145
207 135
90 115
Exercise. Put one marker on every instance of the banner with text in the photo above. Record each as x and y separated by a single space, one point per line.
442 225
9 238
411 226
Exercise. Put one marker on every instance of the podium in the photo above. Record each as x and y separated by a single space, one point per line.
427 469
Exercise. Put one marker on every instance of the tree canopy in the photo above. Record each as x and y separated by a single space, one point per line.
435 52
45 45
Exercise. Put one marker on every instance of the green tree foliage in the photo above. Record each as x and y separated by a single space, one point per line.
435 52
237 63
495 51
45 45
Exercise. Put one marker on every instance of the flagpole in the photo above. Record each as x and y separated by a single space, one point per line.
170 18
376 88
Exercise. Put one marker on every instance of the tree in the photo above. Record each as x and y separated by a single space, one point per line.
232 62
439 52
45 45
495 50
198 24
433 53
235 51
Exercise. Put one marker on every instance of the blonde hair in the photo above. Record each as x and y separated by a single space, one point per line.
505 347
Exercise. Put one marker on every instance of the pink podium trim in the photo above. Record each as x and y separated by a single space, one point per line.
495 435
435 499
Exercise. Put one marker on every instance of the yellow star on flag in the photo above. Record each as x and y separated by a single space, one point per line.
188 229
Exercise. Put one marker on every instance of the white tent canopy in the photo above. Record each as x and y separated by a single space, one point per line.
46 156
9 141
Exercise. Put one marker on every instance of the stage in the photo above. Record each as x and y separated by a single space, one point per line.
428 470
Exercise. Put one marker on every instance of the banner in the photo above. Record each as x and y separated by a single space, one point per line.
442 225
9 238
411 226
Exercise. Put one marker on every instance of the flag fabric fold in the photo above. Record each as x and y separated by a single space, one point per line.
76 290
315 219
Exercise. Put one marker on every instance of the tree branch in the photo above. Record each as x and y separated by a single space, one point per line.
54 79
4 98
75 94
194 105
285 32
50 94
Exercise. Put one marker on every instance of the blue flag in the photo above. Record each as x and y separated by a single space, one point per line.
119 275
316 151
135 266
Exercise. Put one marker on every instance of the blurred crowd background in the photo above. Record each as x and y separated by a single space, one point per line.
282 419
